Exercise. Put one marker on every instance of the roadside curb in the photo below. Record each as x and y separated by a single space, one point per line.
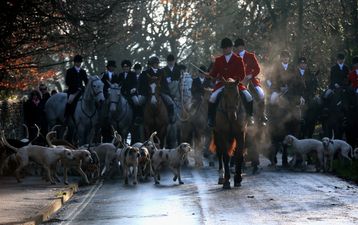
44 214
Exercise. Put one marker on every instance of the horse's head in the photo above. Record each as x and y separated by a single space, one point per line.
114 96
154 90
231 98
94 89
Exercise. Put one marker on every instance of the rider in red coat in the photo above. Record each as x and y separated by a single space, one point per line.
353 75
229 65
252 70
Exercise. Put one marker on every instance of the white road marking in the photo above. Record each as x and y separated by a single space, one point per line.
78 209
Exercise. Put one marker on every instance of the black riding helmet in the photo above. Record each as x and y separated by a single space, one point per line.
153 60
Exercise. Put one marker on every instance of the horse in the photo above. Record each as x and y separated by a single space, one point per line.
86 115
229 133
193 128
155 113
181 93
117 113
285 116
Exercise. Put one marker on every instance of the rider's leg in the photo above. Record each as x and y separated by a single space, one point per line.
170 106
249 106
70 108
213 102
261 105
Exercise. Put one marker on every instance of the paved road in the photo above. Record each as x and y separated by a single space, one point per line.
271 197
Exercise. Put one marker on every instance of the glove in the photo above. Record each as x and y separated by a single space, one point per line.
169 79
269 83
274 97
302 101
133 91
336 85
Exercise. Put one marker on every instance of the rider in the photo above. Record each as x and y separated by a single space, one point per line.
199 84
309 81
109 77
338 77
154 72
137 98
229 65
172 70
252 70
279 80
127 79
75 77
353 75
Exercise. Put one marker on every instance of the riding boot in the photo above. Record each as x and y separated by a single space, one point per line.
211 114
171 114
249 107
68 112
261 112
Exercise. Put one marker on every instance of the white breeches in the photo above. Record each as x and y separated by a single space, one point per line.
260 92
215 94
247 95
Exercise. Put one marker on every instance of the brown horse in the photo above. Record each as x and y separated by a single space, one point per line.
155 114
229 133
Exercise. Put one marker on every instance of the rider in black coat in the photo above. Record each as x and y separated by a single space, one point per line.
76 79
154 72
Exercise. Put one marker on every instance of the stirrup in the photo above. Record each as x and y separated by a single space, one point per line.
211 123
250 121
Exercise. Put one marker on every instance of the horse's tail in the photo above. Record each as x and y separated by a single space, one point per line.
230 151
212 146
232 148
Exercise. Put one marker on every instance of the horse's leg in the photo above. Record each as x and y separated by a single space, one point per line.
239 159
226 159
219 154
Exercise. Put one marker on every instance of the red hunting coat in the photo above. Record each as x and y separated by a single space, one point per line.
252 67
353 79
233 69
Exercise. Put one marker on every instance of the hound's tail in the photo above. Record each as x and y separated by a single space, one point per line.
4 141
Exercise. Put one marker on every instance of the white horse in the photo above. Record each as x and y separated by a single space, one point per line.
86 115
117 112
180 91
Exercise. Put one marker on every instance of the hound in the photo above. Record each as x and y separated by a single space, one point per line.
332 146
173 158
79 157
107 154
303 147
45 156
129 157
144 164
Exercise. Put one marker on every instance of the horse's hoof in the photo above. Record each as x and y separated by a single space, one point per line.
134 183
66 183
221 180
226 185
157 182
237 184
175 178
181 182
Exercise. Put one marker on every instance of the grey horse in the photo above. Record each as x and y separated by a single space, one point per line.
86 115
117 111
